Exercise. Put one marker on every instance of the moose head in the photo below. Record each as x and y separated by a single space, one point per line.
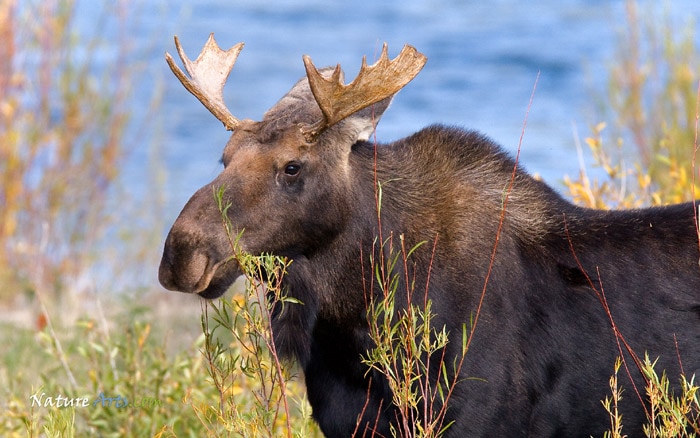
287 177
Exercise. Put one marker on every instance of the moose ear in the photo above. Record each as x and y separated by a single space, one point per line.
364 122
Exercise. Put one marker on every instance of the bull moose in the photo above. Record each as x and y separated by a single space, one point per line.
302 184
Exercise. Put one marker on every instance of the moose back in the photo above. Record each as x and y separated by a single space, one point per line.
303 184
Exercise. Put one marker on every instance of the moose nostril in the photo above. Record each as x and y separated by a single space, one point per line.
165 274
182 270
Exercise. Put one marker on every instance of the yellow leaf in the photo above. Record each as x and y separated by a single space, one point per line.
144 335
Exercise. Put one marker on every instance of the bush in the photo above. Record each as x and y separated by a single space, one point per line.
651 111
65 107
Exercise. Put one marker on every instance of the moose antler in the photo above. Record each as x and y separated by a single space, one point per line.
208 75
372 84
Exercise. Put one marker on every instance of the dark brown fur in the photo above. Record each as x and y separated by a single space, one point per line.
544 349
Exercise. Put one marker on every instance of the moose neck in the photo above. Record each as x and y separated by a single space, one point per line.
406 195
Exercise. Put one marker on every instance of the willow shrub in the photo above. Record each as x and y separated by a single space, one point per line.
258 393
645 145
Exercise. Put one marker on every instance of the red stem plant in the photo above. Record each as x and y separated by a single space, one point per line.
405 341
242 357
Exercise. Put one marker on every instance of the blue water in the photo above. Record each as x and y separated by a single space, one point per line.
483 60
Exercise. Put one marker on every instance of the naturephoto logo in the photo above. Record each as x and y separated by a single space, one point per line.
118 401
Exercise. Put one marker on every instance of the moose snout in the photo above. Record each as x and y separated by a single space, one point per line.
193 264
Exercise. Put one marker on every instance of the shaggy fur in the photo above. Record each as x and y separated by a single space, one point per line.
544 349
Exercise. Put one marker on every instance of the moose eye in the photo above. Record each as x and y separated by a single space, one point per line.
292 169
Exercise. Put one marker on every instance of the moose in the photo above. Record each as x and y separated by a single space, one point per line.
561 291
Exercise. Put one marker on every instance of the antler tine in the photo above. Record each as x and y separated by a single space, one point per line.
208 74
372 84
